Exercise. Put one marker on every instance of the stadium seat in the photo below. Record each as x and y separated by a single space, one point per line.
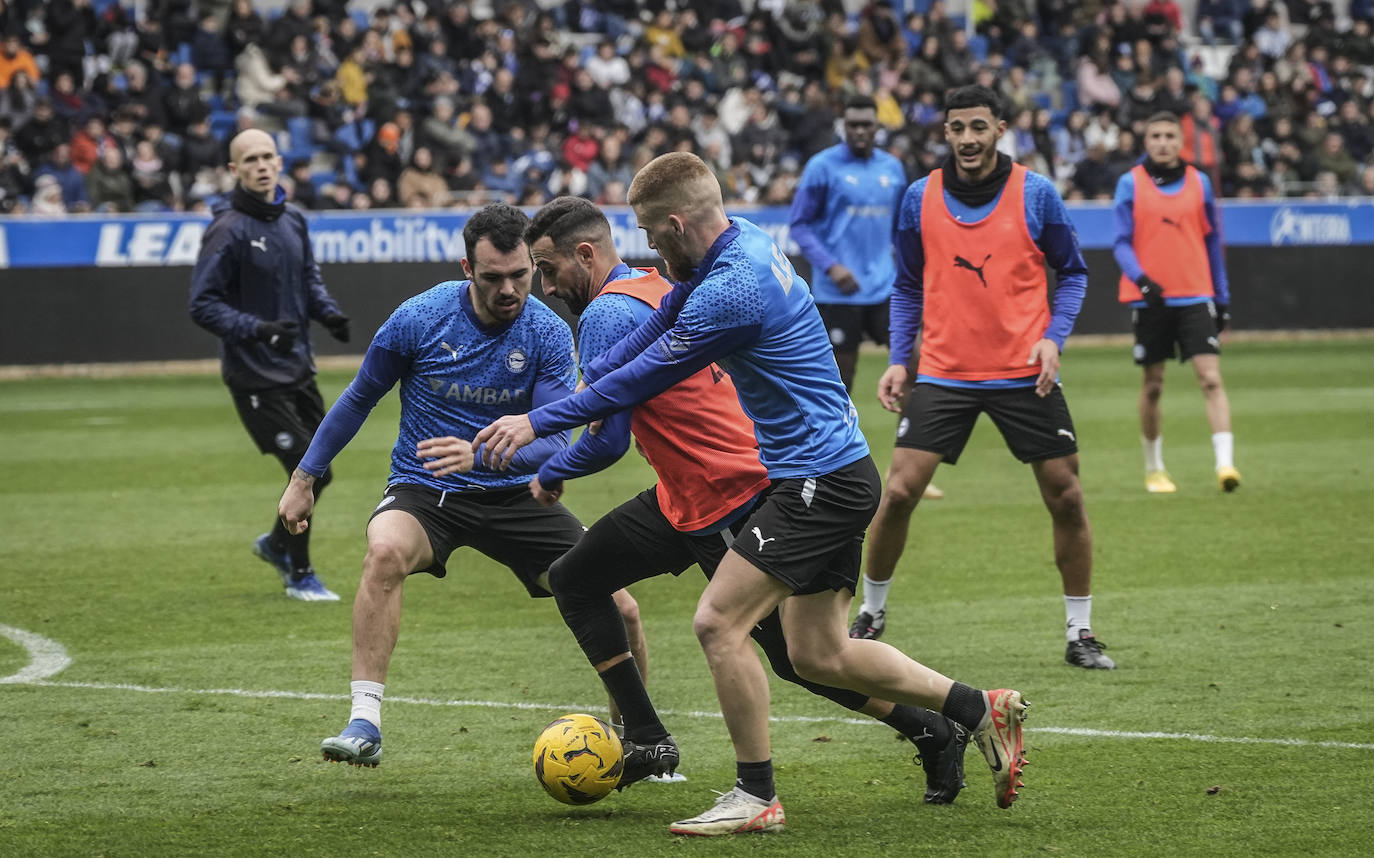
1044 100
320 179
361 19
222 123
979 46
356 135
1069 89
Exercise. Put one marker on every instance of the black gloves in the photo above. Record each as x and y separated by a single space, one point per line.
337 325
1223 316
279 336
1151 292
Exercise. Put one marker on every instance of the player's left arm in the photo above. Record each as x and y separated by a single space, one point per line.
691 345
808 206
1058 240
1216 255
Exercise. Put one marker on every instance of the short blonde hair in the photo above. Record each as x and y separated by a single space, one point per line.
676 183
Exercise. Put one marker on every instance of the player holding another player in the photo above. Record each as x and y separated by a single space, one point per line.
1166 221
464 353
740 304
972 244
702 447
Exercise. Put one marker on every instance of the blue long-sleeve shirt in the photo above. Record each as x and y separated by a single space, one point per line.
845 211
747 310
1123 248
1047 220
457 375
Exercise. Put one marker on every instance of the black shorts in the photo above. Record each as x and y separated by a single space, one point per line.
637 541
1192 328
507 525
940 419
808 532
848 323
281 420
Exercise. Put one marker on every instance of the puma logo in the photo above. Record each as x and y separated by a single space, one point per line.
1067 434
259 243
1171 222
450 349
961 262
758 534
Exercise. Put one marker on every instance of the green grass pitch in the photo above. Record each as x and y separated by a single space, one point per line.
189 719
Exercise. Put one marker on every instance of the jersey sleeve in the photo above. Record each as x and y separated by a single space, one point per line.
1123 213
1216 257
1059 242
808 207
908 292
216 270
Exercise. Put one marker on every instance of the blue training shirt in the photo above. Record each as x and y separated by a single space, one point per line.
1047 220
845 211
747 310
457 375
1123 248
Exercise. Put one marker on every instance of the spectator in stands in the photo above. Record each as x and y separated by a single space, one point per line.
489 146
957 62
108 183
14 57
70 180
420 184
183 103
302 189
1273 38
245 27
210 51
152 185
47 195
1333 157
199 150
383 156
608 68
70 25
1093 177
89 142
1095 85
1219 20
144 95
1201 136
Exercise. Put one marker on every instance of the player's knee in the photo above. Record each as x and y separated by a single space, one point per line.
710 627
1210 382
385 563
815 665
1066 504
903 492
1153 390
629 609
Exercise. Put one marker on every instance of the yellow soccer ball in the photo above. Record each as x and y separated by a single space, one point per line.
578 759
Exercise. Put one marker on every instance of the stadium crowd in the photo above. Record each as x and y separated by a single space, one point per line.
434 104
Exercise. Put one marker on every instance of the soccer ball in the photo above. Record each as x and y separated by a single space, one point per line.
578 759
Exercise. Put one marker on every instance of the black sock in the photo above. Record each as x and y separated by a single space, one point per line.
298 547
917 723
278 540
756 779
627 688
966 705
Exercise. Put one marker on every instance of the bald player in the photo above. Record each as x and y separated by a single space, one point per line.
256 286
739 303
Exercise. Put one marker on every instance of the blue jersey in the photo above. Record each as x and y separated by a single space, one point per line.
844 211
1123 206
747 310
457 375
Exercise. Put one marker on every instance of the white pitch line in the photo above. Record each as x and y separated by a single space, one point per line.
46 657
582 707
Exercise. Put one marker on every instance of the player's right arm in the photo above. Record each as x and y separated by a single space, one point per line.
808 206
382 368
215 275
908 297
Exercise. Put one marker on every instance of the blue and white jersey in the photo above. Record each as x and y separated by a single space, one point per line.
747 310
845 211
457 375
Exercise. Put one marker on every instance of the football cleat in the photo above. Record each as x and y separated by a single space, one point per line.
735 812
867 626
1228 479
1158 482
932 493
1000 740
306 586
673 778
942 757
1087 652
643 761
360 744
279 560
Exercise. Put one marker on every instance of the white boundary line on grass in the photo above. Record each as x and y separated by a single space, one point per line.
48 657
789 719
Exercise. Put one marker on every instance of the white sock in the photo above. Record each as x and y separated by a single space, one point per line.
367 701
1154 453
1222 443
1079 610
875 596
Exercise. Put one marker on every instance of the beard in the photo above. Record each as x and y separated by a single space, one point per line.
580 297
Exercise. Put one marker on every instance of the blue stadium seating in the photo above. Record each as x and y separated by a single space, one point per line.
222 123
979 46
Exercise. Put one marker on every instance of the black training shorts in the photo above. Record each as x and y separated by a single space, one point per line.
847 324
808 532
940 419
282 420
507 525
1163 332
